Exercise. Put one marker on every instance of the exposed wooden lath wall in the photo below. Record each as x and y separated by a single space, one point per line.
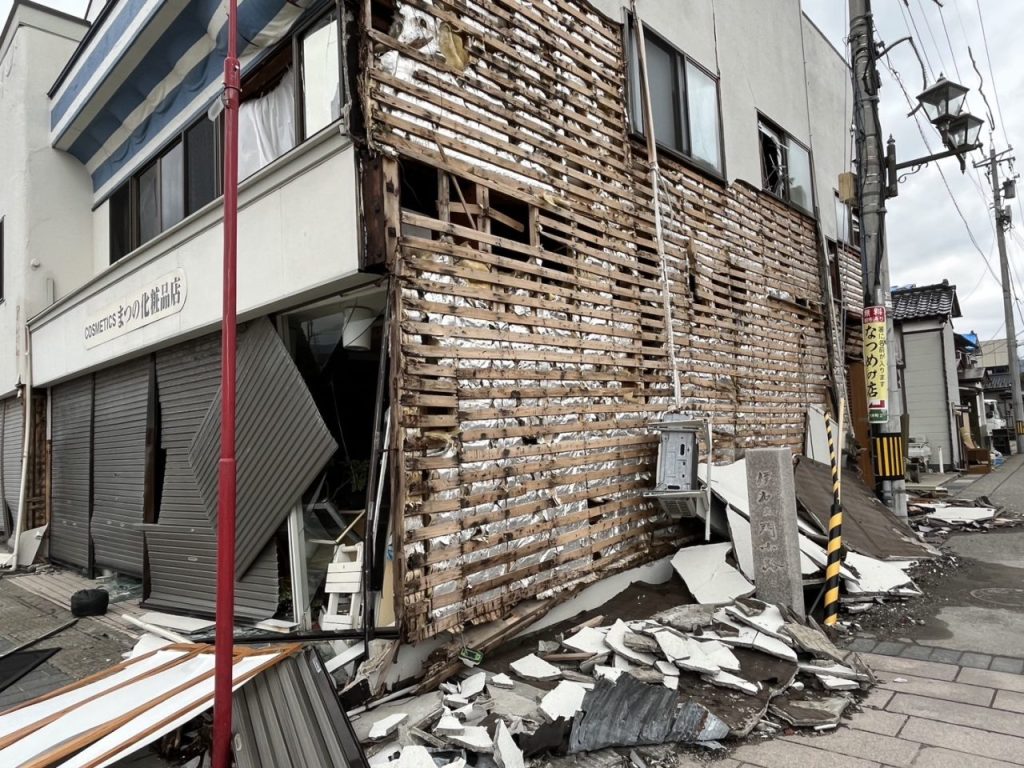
526 367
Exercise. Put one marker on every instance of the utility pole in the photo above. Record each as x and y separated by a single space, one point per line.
1003 221
887 444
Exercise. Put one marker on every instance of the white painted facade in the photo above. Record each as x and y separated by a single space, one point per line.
932 385
297 230
45 195
772 60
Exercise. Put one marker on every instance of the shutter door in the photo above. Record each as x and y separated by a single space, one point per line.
282 441
121 405
182 545
14 431
71 446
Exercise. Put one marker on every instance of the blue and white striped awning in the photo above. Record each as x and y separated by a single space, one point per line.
151 67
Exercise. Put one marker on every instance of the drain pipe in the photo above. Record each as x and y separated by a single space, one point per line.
26 443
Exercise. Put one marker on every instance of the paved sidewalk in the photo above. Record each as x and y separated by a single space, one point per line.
923 714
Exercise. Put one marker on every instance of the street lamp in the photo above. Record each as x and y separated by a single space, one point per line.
943 102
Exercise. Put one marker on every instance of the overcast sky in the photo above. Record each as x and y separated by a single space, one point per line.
927 240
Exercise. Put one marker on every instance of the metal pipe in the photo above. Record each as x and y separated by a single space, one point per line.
224 637
25 445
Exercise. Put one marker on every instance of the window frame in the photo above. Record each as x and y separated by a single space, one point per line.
786 140
3 258
680 100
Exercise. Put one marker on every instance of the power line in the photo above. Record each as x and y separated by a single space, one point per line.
931 34
992 73
924 51
949 42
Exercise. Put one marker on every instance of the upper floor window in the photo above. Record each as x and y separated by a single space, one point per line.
785 166
294 93
847 223
684 100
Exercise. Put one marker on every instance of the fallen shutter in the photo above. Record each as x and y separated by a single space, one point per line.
121 406
71 447
282 442
182 546
14 431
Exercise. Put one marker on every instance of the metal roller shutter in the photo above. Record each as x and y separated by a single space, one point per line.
121 404
14 431
282 441
71 446
182 545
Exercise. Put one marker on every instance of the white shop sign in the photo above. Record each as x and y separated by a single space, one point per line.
161 298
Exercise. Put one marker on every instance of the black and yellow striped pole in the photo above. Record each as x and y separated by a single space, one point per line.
835 524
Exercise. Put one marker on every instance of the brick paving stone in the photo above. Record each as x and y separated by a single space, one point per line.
969 741
868 746
877 721
938 689
994 720
785 754
862 644
929 669
975 660
889 648
946 656
934 757
914 651
1004 664
987 677
1009 700
877 698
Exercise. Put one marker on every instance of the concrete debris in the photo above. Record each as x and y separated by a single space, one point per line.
833 683
448 724
473 685
532 667
474 738
640 643
803 711
710 579
502 681
386 726
506 753
667 668
611 674
814 642
616 639
564 701
686 618
728 680
587 640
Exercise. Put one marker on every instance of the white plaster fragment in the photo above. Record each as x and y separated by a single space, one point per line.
502 681
672 645
611 674
386 726
769 621
532 667
615 639
473 685
506 753
474 738
725 679
587 640
709 578
448 723
564 701
667 668
833 683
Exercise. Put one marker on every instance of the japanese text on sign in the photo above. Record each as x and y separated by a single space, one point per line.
161 298
876 364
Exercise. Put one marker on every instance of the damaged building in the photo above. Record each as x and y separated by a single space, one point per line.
461 307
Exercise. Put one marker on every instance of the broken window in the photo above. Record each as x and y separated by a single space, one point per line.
785 166
684 101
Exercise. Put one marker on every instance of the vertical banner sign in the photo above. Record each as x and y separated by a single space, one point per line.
876 364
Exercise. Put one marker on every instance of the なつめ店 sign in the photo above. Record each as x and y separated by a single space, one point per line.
161 298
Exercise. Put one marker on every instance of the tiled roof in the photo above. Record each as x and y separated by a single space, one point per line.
917 302
997 381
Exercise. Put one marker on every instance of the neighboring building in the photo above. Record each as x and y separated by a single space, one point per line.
923 318
44 222
455 244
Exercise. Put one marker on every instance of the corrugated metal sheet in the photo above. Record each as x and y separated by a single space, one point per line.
182 545
71 436
13 435
121 404
282 442
289 717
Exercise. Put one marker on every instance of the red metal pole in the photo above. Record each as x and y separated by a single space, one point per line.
225 635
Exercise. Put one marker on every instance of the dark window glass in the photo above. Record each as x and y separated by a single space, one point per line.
149 203
201 164
172 187
661 74
321 92
120 222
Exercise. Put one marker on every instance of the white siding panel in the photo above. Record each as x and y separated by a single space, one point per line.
927 397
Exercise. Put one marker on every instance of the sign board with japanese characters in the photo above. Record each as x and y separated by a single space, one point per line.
161 298
876 364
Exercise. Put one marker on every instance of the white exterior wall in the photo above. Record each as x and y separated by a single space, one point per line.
45 195
931 386
297 239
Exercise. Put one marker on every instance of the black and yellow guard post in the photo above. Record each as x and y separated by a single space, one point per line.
835 524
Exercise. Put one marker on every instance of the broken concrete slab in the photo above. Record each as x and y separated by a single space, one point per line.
667 668
769 620
953 515
519 703
833 683
748 637
710 579
531 667
832 669
640 643
502 681
564 701
875 577
587 640
448 724
611 674
814 641
718 654
384 727
616 639
728 680
473 685
673 646
474 738
506 753
687 618
801 710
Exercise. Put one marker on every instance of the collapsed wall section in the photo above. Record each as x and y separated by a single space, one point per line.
530 338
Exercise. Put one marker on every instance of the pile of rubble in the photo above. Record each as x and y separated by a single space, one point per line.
692 674
935 520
